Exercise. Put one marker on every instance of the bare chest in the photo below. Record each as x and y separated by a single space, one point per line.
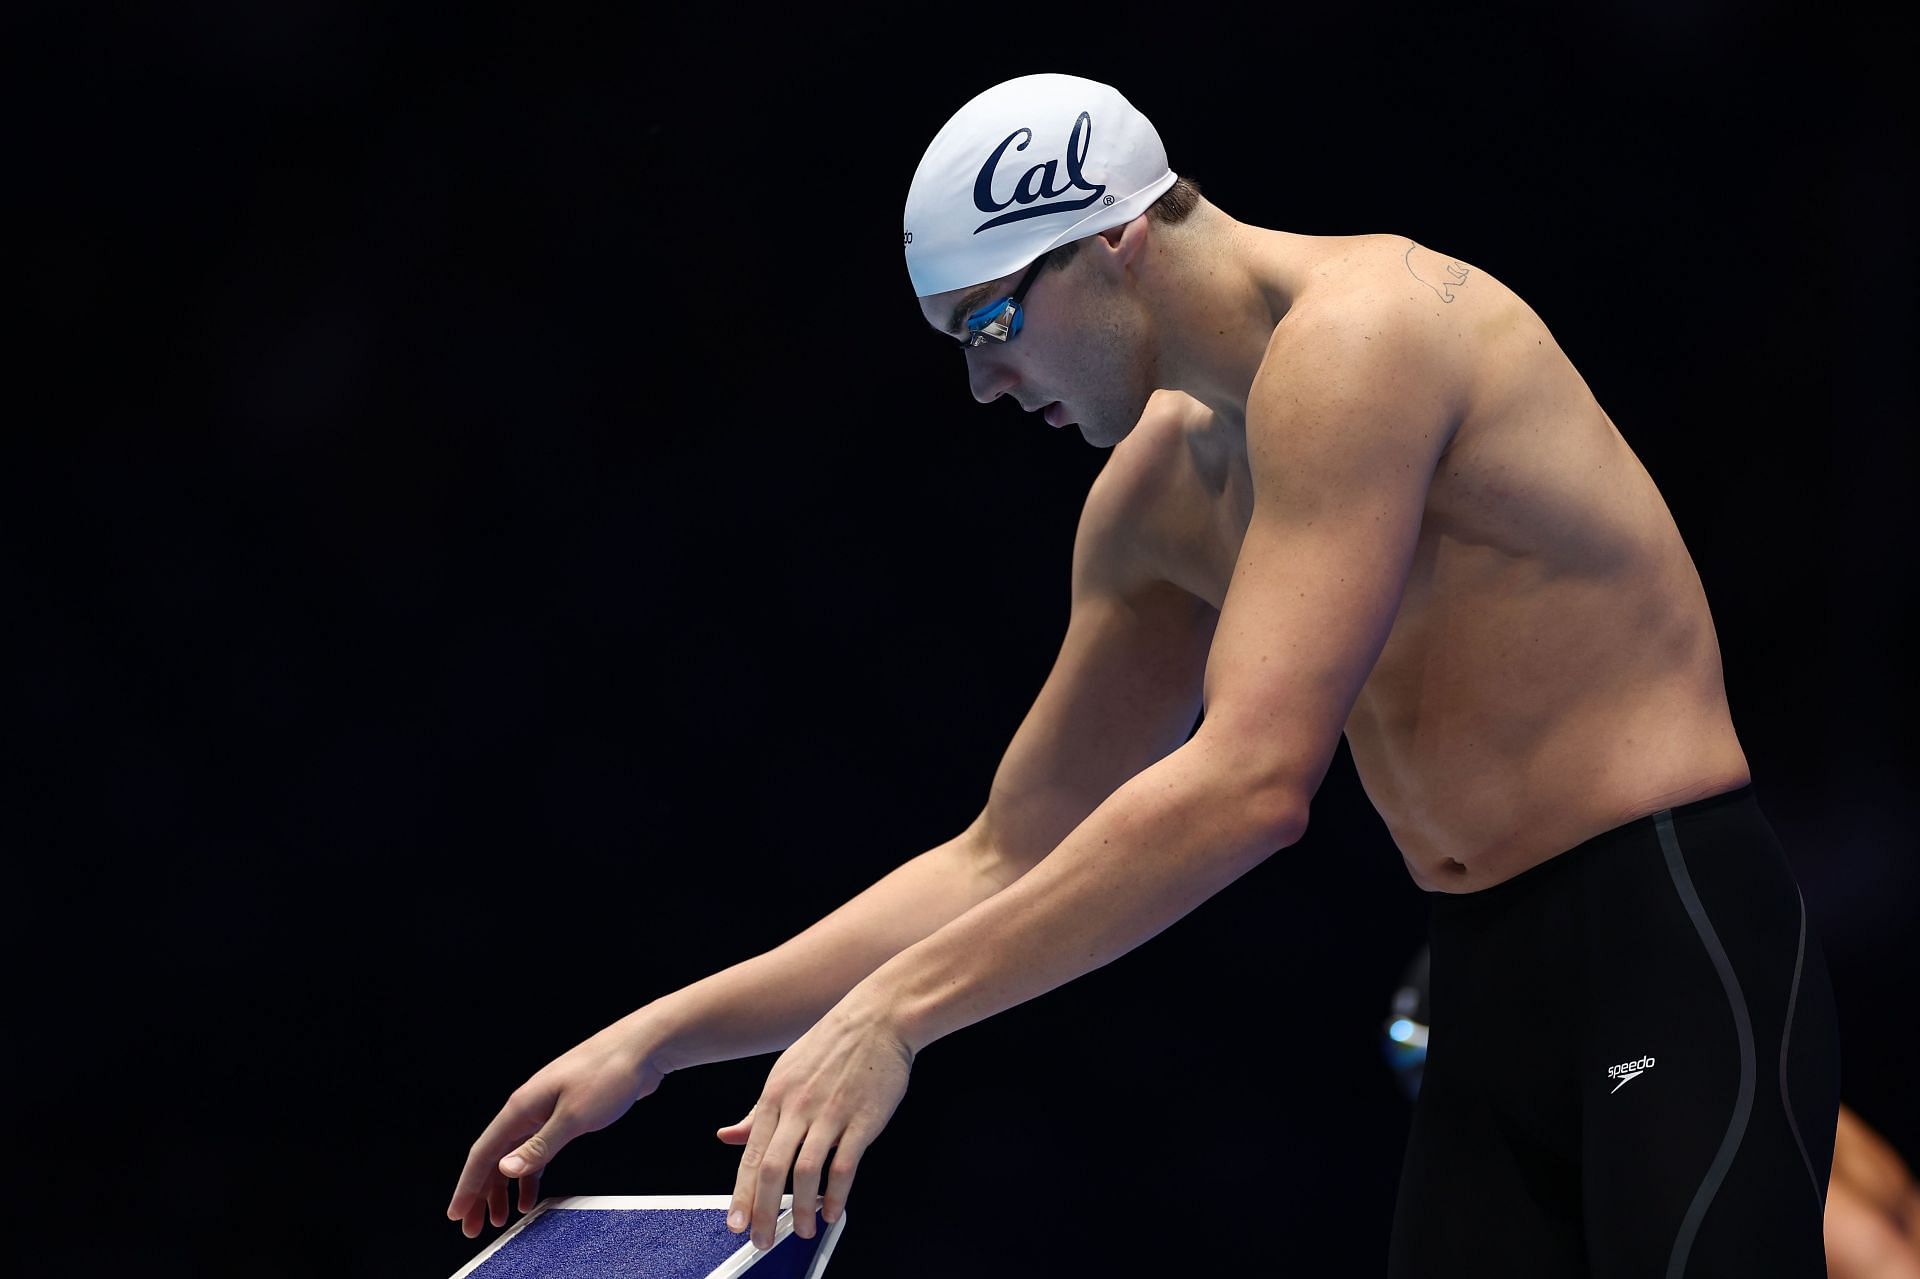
1553 669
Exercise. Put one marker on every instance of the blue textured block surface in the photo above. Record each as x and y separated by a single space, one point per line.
683 1243
636 1243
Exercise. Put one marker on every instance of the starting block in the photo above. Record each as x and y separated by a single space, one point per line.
649 1237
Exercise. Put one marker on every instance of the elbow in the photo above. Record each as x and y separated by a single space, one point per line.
1269 795
1268 815
1293 824
1262 826
1283 817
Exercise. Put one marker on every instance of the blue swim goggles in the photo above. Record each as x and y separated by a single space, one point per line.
1002 319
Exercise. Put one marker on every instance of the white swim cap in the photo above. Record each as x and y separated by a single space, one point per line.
1026 166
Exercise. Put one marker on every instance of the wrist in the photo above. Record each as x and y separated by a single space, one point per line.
875 1001
651 1031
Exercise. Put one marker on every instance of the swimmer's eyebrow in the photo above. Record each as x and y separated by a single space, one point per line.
969 303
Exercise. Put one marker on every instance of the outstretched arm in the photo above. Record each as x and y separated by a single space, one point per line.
1346 423
1124 689
758 1005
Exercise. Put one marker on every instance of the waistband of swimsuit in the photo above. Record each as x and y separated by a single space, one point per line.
1554 868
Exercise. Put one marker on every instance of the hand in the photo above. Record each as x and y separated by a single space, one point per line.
837 1086
582 1090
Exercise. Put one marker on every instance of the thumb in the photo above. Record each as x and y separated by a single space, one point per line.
735 1134
533 1154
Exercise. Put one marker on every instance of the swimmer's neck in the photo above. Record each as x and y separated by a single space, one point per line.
1215 289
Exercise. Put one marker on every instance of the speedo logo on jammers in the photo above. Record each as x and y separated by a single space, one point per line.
1628 1070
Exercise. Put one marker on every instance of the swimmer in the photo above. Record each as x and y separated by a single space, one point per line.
1356 489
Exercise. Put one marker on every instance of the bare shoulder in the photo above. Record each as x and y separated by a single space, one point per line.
1399 267
1448 321
1495 347
1434 276
1396 277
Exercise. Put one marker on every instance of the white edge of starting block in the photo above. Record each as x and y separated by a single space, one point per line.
735 1265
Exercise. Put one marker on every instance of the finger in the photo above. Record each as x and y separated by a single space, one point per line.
521 1115
734 1134
497 1202
840 1172
476 1217
537 1151
807 1171
529 1192
772 1177
740 1207
473 1179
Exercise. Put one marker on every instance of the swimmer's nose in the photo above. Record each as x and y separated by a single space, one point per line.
989 378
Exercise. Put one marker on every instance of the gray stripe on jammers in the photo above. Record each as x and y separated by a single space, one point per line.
1786 1035
1743 1026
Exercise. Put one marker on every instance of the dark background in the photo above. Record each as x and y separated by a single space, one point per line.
496 542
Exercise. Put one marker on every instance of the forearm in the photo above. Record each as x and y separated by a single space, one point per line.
1174 835
763 1004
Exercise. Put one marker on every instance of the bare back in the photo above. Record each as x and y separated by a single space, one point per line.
1553 670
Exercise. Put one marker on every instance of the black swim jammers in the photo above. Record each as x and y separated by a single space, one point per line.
1633 1064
